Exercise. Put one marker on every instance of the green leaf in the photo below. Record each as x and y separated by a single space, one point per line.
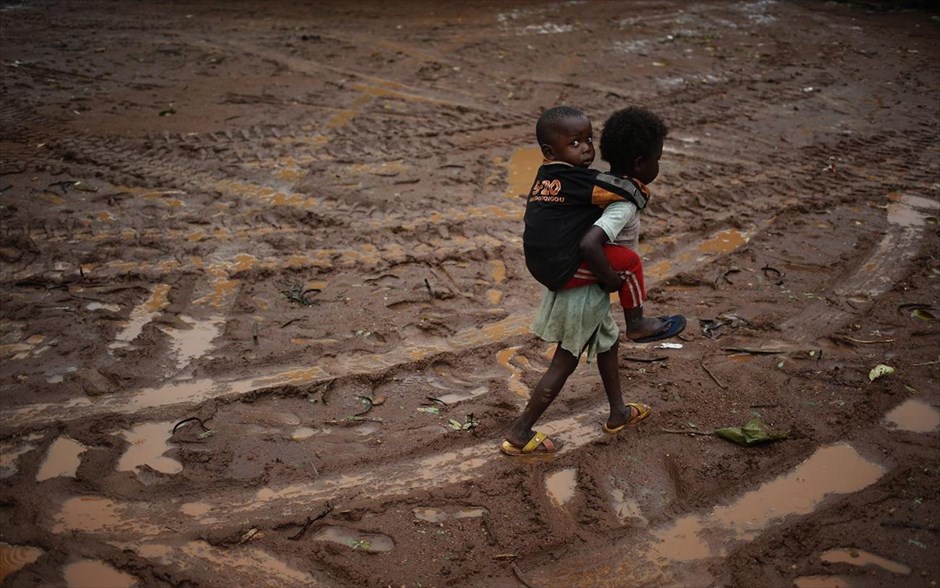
753 433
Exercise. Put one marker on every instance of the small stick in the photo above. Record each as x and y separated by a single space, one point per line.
645 359
521 577
707 371
685 432
310 521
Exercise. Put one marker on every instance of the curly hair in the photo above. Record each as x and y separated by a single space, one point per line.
630 133
548 122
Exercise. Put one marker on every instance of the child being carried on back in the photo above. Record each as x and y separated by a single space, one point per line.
571 205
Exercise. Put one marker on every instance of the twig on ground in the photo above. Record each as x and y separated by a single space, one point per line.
687 432
310 521
645 359
707 371
521 577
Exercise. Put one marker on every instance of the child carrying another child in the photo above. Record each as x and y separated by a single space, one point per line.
566 246
568 197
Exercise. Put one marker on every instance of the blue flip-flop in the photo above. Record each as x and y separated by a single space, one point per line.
672 326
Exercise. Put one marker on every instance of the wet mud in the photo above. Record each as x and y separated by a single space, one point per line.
265 315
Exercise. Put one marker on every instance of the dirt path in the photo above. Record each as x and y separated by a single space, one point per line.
261 261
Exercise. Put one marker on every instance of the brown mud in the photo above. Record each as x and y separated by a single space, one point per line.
265 313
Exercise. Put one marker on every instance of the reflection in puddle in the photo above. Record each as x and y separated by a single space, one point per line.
96 574
857 557
561 485
193 343
143 314
821 582
355 539
15 557
914 415
522 167
62 459
148 443
438 515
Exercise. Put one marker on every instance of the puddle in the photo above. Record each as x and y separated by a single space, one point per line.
857 557
96 514
193 343
439 515
355 539
460 396
680 548
494 297
914 415
521 169
723 242
837 469
561 485
148 443
62 459
902 210
195 509
15 557
96 574
821 582
498 269
143 314
515 384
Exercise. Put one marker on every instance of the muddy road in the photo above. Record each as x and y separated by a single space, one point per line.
265 314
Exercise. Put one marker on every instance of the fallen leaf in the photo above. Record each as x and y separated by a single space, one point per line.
880 370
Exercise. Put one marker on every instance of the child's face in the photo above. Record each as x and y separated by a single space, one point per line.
572 142
646 168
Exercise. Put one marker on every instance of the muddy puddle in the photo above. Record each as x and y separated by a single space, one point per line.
561 486
357 540
15 557
96 574
914 415
148 444
62 459
676 547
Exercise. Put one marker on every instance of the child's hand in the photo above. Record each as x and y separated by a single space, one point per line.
614 286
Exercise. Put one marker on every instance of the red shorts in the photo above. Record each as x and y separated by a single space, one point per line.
625 262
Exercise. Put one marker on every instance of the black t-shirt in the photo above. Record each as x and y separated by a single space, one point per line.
562 205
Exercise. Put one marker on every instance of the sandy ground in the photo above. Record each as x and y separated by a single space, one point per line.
265 313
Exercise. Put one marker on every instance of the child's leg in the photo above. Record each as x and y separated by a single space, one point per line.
609 369
562 366
627 263
620 413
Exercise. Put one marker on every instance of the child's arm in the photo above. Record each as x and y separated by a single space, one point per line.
592 248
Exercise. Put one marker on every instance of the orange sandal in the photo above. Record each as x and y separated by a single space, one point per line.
642 411
532 447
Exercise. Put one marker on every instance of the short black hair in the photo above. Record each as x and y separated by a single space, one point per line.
630 133
548 122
